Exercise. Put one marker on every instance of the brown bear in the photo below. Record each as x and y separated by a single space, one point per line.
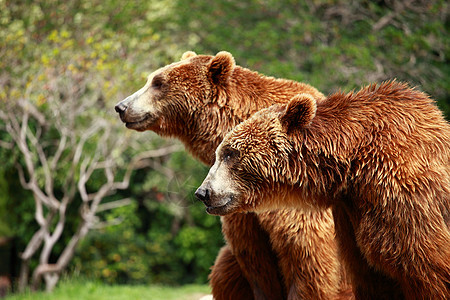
274 255
380 158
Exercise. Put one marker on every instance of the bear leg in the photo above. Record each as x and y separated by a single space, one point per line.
367 282
251 246
227 280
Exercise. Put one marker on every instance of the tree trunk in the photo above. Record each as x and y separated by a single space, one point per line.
24 274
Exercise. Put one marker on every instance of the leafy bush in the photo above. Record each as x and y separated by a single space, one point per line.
330 44
163 237
82 45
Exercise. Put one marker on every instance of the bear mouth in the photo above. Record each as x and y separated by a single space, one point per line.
218 210
222 210
143 124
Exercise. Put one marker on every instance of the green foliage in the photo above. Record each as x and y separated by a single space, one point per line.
330 44
18 208
5 228
84 49
164 237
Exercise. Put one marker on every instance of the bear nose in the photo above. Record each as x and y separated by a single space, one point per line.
120 108
202 194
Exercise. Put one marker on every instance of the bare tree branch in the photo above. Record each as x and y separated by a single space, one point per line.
114 204
66 147
59 151
6 145
33 244
113 222
383 21
31 109
44 164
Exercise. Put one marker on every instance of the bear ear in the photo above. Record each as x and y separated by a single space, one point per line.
221 67
188 54
299 112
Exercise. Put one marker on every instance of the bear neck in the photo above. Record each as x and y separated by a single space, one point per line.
324 150
246 93
353 137
205 130
249 91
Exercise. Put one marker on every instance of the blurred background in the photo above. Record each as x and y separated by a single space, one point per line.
83 197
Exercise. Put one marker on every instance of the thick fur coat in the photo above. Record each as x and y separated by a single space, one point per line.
380 158
276 255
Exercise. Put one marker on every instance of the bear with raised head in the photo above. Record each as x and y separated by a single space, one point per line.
272 255
380 158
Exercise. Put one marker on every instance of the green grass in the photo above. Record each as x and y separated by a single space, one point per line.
91 290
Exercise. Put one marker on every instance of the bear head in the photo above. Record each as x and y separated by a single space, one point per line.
174 92
255 160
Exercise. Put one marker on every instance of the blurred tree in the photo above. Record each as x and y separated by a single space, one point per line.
330 44
65 142
166 236
62 73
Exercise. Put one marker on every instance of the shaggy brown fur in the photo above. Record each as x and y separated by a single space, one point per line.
380 158
230 276
199 100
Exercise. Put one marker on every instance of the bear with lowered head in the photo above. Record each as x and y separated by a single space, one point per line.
380 158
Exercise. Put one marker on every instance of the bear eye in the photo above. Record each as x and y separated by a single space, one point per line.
229 154
157 82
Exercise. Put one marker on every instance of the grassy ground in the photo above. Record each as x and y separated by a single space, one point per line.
88 290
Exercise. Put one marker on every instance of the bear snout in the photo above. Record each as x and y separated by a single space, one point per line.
120 108
203 194
216 204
